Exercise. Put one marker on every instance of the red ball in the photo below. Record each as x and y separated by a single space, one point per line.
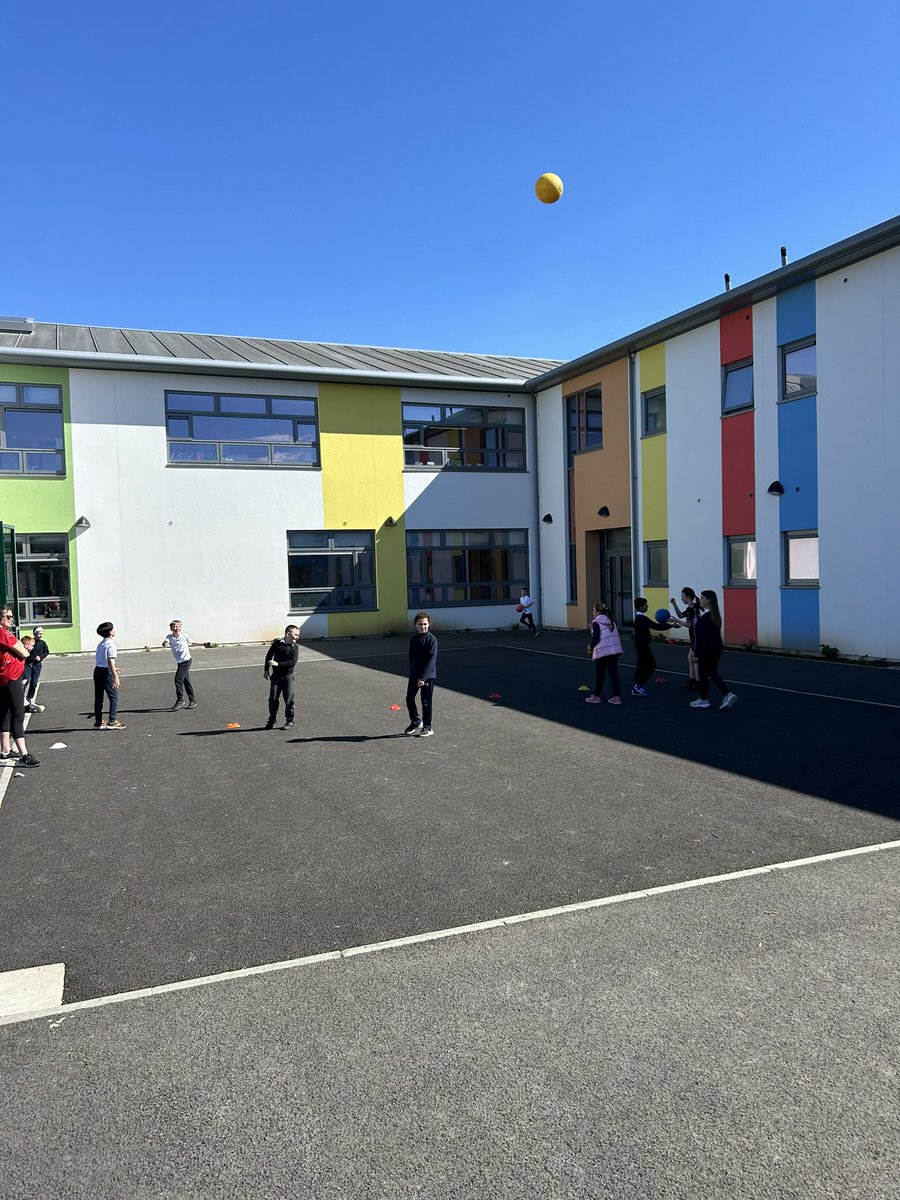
520 608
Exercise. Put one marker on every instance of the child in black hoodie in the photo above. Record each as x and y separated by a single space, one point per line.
423 650
646 663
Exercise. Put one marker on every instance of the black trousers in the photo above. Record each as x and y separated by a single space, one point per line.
427 690
12 705
527 620
183 680
601 666
103 686
709 670
645 666
281 686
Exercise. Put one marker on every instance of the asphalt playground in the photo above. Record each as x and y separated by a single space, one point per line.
730 1036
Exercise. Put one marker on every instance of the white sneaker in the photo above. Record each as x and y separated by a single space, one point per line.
728 700
699 704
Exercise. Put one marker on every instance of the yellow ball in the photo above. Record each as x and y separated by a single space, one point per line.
548 188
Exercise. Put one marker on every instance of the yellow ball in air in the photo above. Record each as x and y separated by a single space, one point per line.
548 188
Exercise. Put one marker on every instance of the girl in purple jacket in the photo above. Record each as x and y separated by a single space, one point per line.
605 648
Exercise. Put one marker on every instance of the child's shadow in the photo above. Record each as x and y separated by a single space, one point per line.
356 737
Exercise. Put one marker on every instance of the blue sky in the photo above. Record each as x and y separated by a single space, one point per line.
364 173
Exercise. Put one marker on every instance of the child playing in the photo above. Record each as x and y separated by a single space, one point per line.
687 619
646 663
106 678
708 648
180 645
605 648
33 668
527 617
423 649
281 658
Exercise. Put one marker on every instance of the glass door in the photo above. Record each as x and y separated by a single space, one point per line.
9 589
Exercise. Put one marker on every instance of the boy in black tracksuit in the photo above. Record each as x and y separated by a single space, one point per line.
423 650
281 658
646 663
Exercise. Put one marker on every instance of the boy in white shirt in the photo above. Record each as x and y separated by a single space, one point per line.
180 645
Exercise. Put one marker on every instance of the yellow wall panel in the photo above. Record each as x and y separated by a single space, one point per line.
362 485
653 368
654 516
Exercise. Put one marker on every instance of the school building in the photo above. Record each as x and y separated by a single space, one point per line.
745 445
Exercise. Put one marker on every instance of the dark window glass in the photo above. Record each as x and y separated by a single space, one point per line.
422 412
654 406
9 462
799 372
33 393
737 391
243 404
178 427
43 463
331 570
43 578
295 455
283 407
593 418
189 402
33 430
7 393
657 564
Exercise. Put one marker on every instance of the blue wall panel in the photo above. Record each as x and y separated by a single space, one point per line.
800 618
798 464
796 313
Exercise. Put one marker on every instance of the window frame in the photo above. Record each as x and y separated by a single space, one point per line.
27 614
422 456
653 394
220 445
656 581
577 420
736 540
796 535
790 348
492 541
365 546
19 405
732 369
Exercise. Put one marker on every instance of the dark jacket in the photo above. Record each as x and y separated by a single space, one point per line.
282 658
642 628
40 650
423 649
707 638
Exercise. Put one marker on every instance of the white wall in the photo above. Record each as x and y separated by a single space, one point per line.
694 457
204 544
858 409
434 499
552 499
766 390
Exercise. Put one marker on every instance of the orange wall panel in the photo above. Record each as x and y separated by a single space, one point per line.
738 475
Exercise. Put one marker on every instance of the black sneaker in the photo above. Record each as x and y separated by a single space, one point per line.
193 704
413 727
269 725
175 707
9 757
28 760
426 731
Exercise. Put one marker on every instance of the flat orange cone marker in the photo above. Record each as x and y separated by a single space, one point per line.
395 708
233 725
495 696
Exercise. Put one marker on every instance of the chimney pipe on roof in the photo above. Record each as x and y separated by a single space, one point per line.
784 256
727 282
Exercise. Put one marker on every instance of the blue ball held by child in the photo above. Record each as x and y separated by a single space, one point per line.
663 616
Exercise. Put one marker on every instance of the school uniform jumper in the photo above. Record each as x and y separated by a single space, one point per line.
423 651
708 649
646 663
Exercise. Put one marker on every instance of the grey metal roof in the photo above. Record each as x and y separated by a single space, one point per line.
145 349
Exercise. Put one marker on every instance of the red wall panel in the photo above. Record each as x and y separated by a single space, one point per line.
738 506
739 617
736 336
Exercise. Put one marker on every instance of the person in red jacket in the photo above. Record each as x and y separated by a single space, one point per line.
12 691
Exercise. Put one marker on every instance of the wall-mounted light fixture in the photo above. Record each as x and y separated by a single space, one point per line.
603 511
82 523
775 488
547 519
390 521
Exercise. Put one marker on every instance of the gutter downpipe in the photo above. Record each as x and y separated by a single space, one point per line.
538 558
636 563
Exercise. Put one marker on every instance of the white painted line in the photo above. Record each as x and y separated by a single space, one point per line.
501 922
739 683
30 988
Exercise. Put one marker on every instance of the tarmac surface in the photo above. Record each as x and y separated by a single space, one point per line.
736 1038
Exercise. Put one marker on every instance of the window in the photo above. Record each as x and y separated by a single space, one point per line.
584 418
737 387
741 561
43 576
798 370
31 430
331 571
657 554
242 431
801 559
450 566
452 435
653 405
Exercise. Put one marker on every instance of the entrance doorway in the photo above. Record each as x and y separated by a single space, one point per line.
615 583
